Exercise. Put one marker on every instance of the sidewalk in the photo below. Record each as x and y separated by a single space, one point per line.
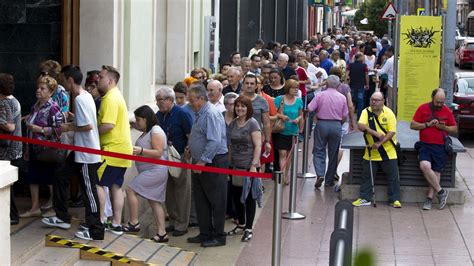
407 236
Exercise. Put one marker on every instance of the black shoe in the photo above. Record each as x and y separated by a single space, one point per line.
319 182
213 243
193 225
195 239
169 228
179 233
14 222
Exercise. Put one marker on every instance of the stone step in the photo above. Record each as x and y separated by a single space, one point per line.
53 256
91 263
408 194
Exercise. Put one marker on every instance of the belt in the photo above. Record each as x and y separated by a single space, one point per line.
333 120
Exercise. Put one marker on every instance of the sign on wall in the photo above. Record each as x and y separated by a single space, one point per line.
420 51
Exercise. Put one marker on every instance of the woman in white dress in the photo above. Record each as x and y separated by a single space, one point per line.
150 183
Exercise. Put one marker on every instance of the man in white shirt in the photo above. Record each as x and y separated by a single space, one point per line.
214 93
388 69
86 134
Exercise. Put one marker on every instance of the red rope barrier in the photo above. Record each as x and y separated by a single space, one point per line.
135 158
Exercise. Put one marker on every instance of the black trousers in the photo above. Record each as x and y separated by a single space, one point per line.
13 210
89 195
210 195
245 211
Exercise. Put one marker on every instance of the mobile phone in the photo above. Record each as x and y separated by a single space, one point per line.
266 154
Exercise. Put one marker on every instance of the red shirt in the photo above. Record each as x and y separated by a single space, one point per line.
302 76
432 134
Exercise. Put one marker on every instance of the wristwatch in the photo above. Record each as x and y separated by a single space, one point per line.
42 130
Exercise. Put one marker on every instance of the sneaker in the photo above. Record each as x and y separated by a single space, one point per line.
247 235
443 198
48 205
50 213
238 230
56 222
361 202
84 234
319 182
396 204
116 230
83 227
427 204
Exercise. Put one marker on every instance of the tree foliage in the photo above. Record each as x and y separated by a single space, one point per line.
372 10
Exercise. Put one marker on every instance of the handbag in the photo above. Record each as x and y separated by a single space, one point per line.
238 181
49 154
279 124
174 156
398 149
448 142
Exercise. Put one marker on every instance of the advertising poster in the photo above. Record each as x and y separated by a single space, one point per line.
419 64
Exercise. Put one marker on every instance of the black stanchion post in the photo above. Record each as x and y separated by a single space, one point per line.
340 252
277 200
304 171
292 214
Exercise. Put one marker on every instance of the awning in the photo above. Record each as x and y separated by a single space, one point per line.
349 13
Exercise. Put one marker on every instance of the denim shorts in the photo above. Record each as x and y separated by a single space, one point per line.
433 153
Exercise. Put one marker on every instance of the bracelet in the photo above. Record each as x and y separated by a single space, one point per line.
141 152
256 164
426 124
42 130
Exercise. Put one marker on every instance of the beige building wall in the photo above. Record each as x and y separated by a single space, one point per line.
149 41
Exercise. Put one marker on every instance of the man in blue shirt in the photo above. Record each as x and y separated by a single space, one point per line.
208 146
325 62
176 123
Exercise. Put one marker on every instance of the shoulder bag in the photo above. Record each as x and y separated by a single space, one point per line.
50 154
398 149
448 142
279 124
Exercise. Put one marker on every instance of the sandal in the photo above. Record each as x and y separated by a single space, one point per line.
160 239
131 228
236 231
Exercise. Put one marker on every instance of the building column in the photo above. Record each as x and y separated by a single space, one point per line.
8 175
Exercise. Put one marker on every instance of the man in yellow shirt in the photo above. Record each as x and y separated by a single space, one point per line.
380 138
114 131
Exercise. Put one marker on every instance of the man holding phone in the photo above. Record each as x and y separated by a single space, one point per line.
436 122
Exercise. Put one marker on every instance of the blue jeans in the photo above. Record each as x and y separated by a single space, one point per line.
390 168
358 99
326 134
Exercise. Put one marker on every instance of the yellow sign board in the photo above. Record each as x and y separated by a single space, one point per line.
419 64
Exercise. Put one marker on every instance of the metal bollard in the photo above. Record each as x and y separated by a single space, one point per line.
292 214
304 172
340 252
276 244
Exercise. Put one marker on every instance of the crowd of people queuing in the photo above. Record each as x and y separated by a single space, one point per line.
245 117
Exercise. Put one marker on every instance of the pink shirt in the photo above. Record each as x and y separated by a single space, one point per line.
329 105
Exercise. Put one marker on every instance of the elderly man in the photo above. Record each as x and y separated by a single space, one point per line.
176 123
331 111
245 64
282 63
379 125
208 147
233 76
325 62
435 122
214 93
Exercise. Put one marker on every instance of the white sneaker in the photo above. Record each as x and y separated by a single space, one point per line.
56 222
83 235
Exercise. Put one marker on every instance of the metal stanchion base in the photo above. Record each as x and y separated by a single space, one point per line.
292 216
307 175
